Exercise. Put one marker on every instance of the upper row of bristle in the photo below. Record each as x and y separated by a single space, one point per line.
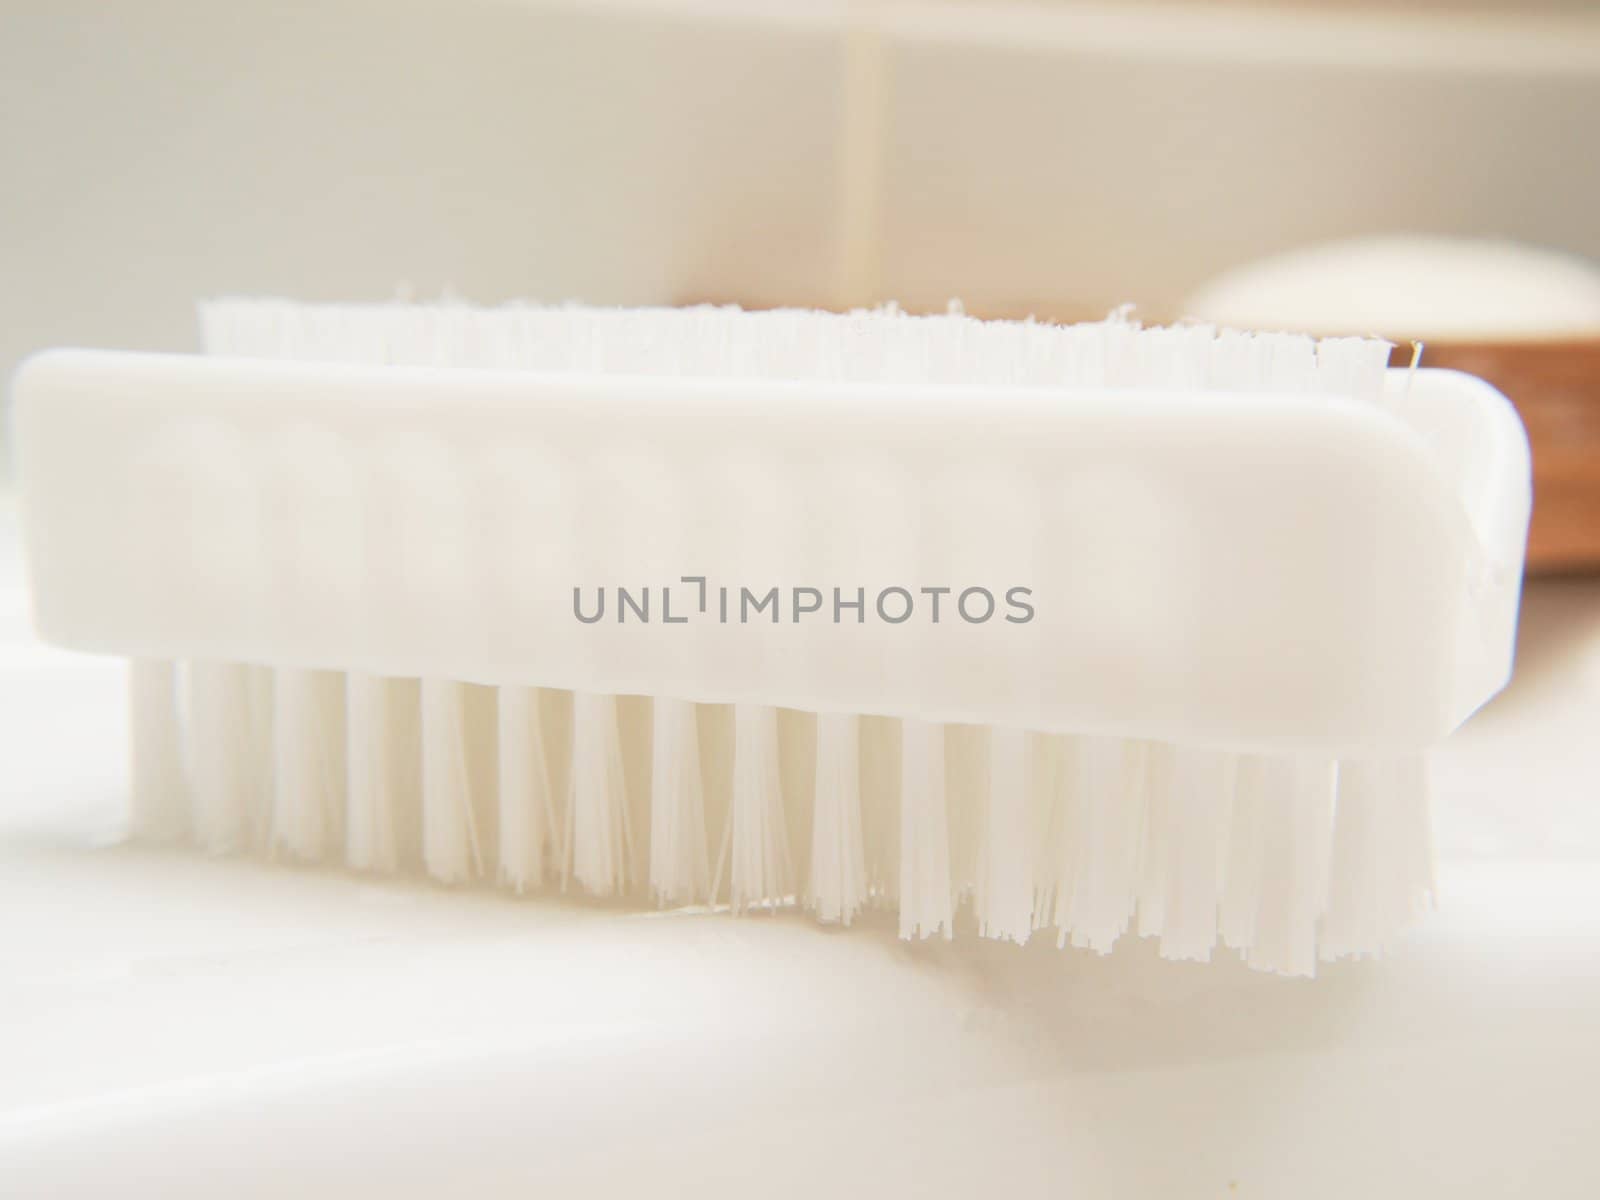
882 345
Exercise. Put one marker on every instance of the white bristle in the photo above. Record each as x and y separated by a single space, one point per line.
1355 900
225 760
636 741
884 345
1053 861
261 681
925 900
1409 886
1380 874
1160 826
160 789
309 764
797 780
599 840
680 869
756 845
1005 890
878 744
555 722
1104 827
838 853
966 801
527 820
1087 835
1200 784
1241 876
384 748
1297 829
454 833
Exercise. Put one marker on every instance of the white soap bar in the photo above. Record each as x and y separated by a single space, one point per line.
1412 286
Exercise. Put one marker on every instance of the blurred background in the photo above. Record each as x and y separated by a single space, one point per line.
1049 157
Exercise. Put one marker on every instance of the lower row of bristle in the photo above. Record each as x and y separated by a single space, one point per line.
1285 859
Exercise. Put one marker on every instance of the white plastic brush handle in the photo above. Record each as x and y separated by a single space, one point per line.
1247 571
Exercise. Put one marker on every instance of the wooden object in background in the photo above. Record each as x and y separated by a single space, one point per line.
1556 388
